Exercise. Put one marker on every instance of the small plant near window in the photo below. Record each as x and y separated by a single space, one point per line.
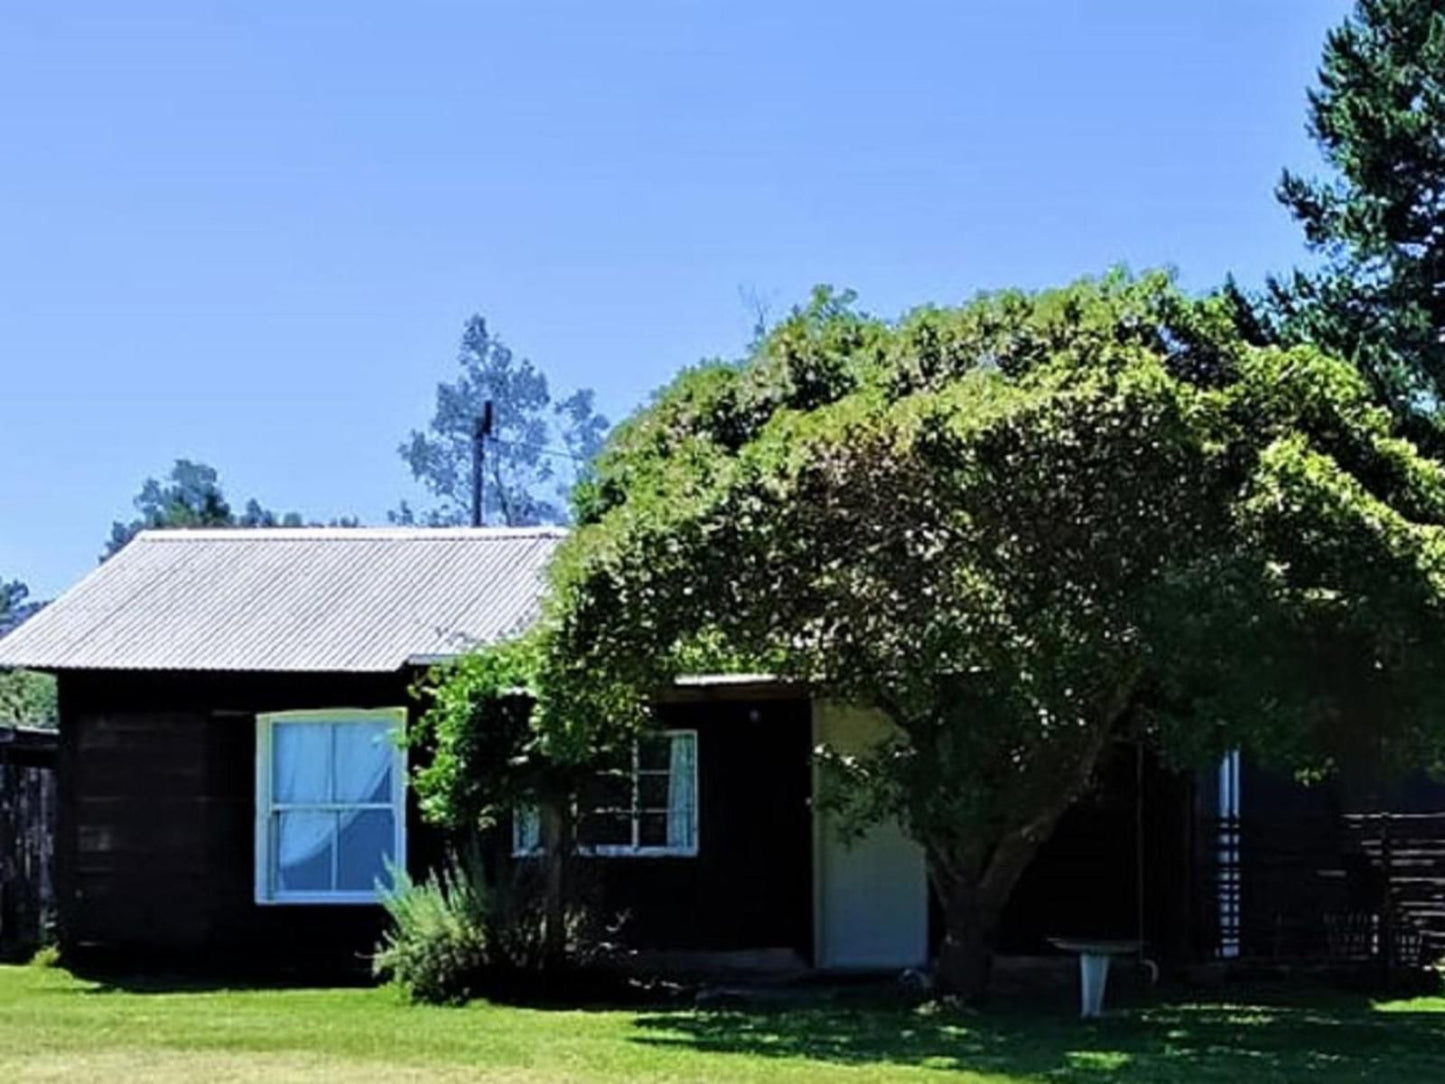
436 948
458 935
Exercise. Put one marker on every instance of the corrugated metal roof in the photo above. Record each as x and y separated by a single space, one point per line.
333 599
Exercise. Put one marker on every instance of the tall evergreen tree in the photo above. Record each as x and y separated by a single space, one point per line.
190 495
1378 116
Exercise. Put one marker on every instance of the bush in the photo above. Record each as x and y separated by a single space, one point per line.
517 930
455 936
436 949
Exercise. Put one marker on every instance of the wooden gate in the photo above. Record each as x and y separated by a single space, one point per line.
27 838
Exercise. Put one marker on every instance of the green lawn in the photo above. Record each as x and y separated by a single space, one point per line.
55 1027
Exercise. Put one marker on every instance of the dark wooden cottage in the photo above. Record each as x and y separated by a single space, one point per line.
230 793
229 790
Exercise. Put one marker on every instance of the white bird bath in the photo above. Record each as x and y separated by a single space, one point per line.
1094 957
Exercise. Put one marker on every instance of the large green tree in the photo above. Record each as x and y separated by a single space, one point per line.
539 444
1378 220
1020 529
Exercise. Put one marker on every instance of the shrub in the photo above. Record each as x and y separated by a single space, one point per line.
517 943
456 935
46 956
436 949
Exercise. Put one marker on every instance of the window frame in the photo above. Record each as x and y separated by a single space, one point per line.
635 849
266 808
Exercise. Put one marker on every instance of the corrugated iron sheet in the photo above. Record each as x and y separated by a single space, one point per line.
335 599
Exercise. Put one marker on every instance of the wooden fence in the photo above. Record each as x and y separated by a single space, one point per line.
27 838
1331 886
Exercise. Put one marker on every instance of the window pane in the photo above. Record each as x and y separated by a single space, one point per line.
364 756
652 830
363 850
605 829
300 762
304 843
526 830
653 791
606 791
682 794
654 752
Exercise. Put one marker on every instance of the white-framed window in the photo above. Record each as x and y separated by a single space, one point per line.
643 807
330 804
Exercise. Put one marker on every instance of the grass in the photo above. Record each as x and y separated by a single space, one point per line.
54 1026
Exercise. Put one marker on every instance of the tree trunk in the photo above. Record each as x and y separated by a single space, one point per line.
966 955
973 901
974 882
971 910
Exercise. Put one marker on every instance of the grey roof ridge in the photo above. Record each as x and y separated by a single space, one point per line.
350 534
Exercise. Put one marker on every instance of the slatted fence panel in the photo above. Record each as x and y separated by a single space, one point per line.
1322 886
28 798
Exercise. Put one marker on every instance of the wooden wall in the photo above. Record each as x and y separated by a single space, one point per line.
156 838
750 884
157 822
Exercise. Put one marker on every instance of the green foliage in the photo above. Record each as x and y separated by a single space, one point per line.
527 476
436 948
46 956
1021 528
1378 116
457 935
191 496
482 755
26 698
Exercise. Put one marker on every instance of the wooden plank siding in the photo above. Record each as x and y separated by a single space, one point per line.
157 826
157 813
750 885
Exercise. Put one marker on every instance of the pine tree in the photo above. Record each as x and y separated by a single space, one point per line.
1378 116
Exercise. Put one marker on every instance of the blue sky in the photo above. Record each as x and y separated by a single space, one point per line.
249 234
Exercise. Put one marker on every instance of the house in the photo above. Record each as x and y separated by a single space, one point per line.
228 781
229 790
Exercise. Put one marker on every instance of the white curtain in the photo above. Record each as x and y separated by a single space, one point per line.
301 774
363 755
526 830
324 763
681 793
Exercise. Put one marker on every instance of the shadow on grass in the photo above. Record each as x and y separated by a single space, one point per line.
127 978
1325 1040
584 991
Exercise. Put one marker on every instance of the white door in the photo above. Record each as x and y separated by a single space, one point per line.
870 898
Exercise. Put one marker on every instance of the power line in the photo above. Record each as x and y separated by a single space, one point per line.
540 449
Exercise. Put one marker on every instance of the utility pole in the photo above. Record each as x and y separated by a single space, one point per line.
480 433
